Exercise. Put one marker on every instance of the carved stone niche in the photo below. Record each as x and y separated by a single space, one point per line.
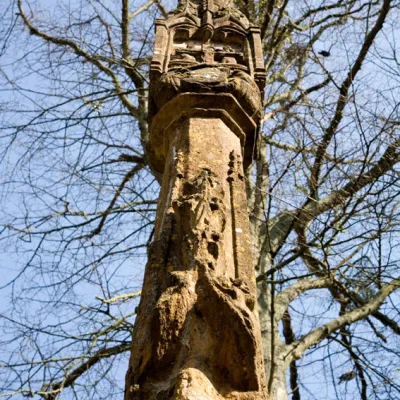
205 47
207 33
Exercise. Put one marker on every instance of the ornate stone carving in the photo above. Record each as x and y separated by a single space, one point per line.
207 46
207 31
196 333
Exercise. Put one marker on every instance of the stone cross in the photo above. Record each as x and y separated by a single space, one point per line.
196 334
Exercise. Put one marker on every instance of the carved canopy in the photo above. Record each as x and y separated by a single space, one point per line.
203 33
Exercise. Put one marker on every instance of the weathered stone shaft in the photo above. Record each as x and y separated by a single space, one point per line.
197 334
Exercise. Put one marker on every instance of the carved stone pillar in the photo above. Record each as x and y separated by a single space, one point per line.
197 334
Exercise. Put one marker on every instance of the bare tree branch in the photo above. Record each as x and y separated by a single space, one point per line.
297 348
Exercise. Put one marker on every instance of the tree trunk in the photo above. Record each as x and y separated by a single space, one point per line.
275 365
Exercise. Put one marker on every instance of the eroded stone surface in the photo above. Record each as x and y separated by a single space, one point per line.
197 312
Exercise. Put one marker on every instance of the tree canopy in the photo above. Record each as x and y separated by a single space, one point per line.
78 198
